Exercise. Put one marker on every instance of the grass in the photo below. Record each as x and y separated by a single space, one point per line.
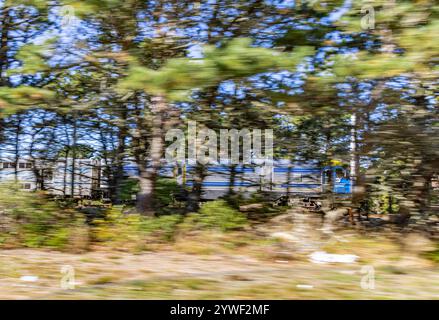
223 276
147 289
208 263
433 255
103 280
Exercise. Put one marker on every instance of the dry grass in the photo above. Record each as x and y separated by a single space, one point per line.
238 265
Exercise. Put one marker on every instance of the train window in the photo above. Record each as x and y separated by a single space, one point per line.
22 165
328 176
339 174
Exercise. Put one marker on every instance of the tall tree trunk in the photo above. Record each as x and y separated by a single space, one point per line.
289 177
72 176
4 39
357 187
66 156
120 158
197 188
17 146
149 171
232 180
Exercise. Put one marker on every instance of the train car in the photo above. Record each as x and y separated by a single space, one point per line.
83 178
281 178
217 180
80 178
63 177
21 170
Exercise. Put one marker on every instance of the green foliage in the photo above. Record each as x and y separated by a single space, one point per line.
32 220
411 26
367 66
433 255
85 7
12 99
81 151
134 229
237 59
165 191
129 188
41 5
32 58
59 238
216 215
164 227
137 231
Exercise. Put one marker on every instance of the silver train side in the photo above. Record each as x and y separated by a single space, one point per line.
276 180
85 178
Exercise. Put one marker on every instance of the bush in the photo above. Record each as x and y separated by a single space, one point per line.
129 188
217 215
166 193
116 226
30 219
164 226
434 254
124 228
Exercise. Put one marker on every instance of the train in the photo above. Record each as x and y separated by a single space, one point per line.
85 178
280 178
63 177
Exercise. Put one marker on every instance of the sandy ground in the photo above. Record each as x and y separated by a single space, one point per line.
277 271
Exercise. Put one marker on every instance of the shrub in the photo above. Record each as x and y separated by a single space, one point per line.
217 215
129 188
30 219
123 228
164 226
165 195
434 254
